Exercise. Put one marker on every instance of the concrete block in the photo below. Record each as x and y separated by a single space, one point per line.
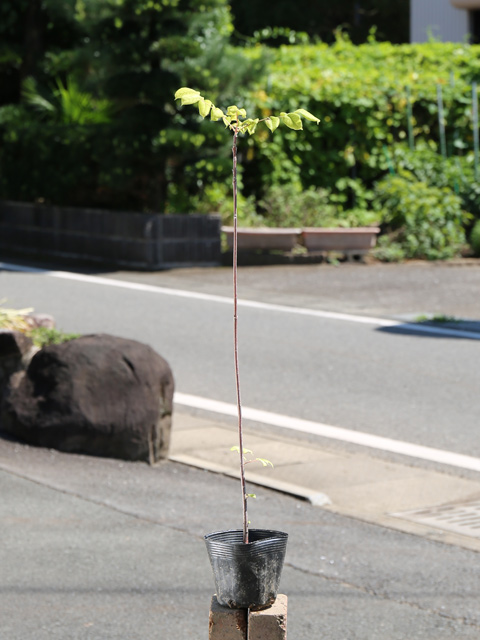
226 624
271 623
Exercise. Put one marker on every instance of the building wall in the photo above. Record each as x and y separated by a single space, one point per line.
438 18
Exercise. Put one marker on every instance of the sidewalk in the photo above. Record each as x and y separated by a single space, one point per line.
358 484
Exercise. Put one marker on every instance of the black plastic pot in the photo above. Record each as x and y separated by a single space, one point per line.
247 576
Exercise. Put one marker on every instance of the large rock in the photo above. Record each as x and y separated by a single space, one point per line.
16 351
98 394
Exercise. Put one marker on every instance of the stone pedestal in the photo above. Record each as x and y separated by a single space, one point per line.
242 624
269 624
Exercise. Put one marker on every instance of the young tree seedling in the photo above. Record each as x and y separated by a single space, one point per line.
235 119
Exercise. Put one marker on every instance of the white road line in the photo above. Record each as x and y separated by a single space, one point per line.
317 313
333 433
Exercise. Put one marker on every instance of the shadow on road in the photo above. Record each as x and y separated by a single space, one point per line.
461 330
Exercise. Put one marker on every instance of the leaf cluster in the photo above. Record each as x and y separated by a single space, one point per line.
235 118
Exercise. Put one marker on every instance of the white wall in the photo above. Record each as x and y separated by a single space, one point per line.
439 19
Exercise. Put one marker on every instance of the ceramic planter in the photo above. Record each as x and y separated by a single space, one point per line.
247 576
353 240
466 4
265 238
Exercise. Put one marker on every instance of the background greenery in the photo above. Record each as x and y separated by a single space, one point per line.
87 115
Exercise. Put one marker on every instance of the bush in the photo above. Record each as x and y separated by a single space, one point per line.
288 206
475 238
456 173
422 221
360 94
42 337
18 320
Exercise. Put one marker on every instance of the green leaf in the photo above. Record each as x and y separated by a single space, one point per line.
272 123
216 114
292 120
204 107
183 91
251 125
187 96
265 462
250 495
237 449
307 115
235 112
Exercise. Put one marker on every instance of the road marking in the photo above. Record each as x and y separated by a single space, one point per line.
195 295
333 433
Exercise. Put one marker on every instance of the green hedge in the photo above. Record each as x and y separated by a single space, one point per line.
360 93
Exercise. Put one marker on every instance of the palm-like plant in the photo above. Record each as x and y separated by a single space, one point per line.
68 103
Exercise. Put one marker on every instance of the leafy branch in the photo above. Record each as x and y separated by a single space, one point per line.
232 117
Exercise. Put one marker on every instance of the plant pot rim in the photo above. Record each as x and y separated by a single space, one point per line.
261 541
353 230
271 533
263 230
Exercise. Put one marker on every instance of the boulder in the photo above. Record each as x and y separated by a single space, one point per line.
98 394
16 351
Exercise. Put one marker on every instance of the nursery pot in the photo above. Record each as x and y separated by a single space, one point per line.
247 576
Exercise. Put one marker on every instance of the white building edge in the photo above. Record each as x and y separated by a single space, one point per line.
445 20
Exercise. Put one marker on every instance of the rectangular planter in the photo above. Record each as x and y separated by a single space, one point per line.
265 238
348 240
466 4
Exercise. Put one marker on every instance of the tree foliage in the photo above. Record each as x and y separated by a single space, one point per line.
95 109
87 115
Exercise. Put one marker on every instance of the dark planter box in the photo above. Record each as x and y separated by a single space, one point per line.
117 238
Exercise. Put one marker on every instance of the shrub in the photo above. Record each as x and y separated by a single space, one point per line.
475 238
424 221
17 320
42 337
456 173
288 205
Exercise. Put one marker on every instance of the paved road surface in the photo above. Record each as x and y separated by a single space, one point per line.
96 549
360 376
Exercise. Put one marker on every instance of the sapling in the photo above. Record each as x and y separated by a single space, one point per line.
235 119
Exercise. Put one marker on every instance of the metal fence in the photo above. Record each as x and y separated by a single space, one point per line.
119 238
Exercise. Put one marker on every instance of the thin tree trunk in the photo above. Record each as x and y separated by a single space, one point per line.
32 38
235 340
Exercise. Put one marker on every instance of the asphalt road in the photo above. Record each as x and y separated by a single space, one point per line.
361 376
96 549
